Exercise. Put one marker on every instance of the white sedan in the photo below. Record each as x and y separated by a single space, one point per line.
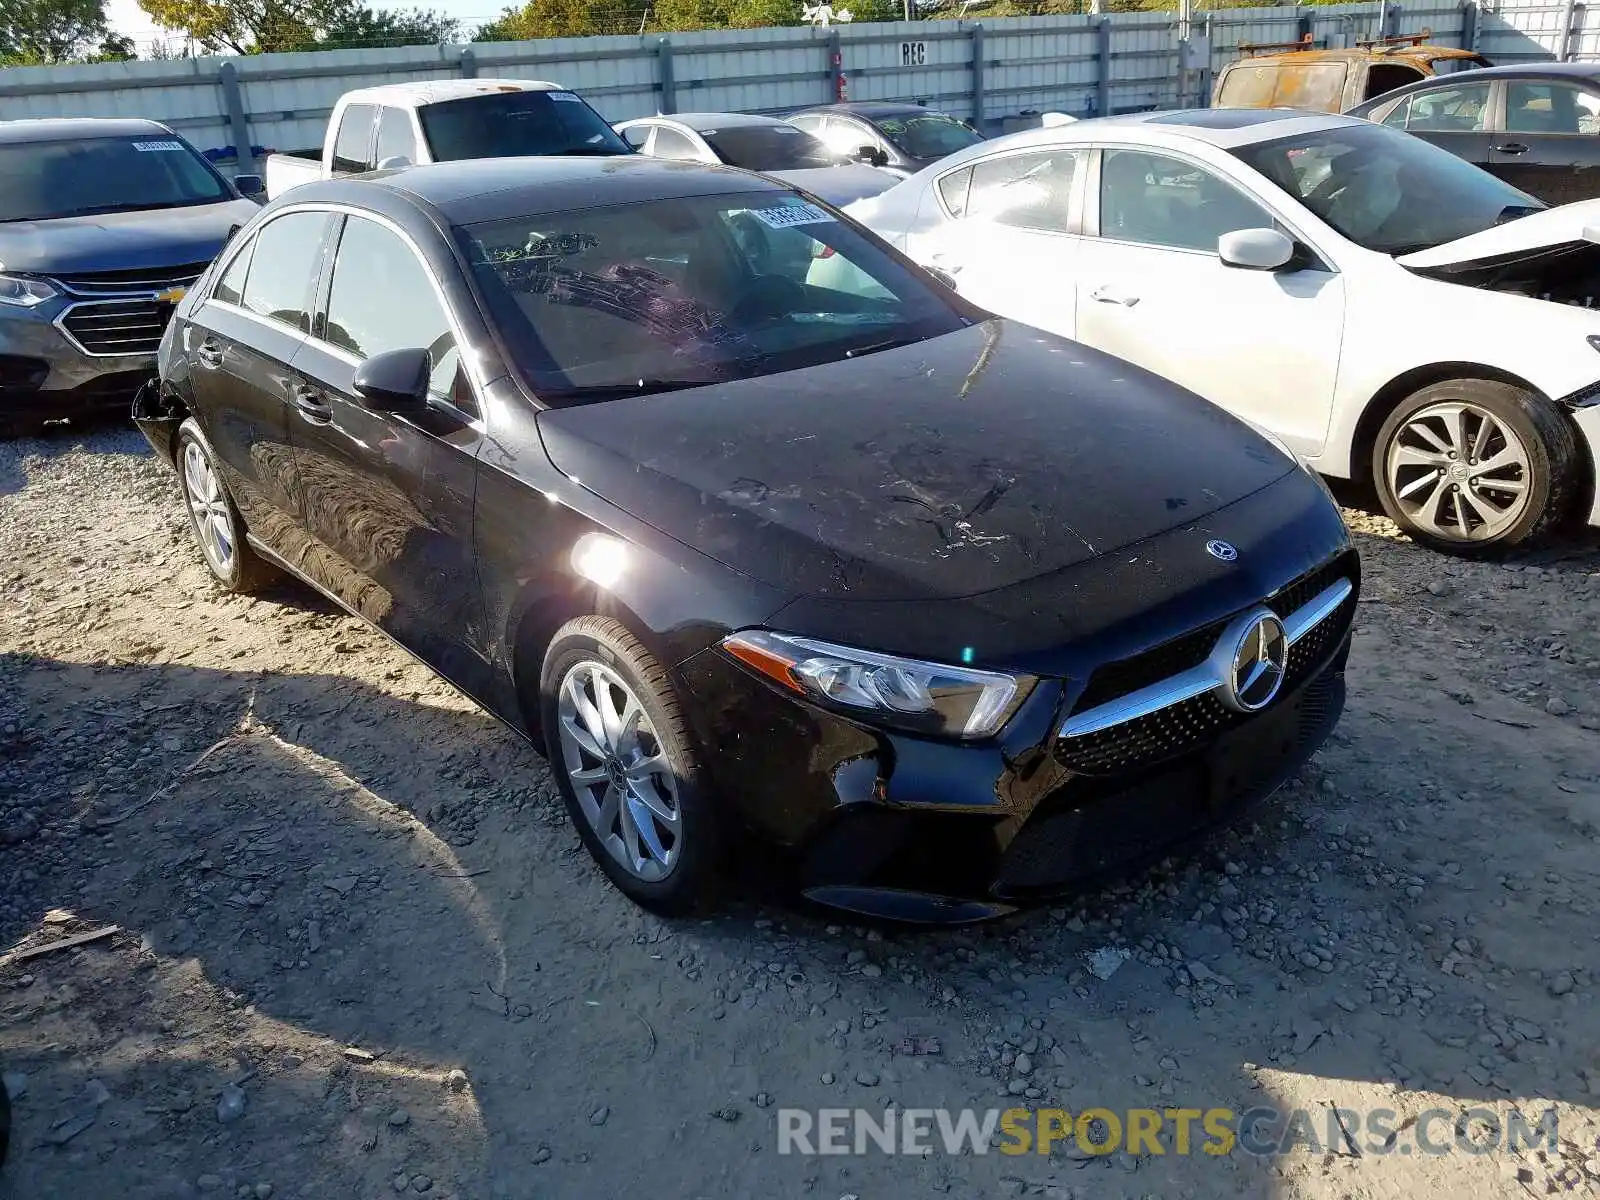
1388 310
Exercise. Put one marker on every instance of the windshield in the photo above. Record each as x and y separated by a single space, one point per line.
1387 190
648 297
39 180
769 148
516 124
927 135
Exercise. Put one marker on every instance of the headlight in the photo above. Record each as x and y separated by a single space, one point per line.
921 697
22 292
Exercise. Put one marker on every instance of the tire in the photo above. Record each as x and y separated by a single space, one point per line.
1428 475
213 519
585 655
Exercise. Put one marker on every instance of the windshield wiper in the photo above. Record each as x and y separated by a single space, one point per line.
640 387
93 210
887 344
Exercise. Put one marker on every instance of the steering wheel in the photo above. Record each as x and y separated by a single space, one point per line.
768 296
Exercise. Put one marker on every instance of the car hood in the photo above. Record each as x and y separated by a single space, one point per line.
161 237
951 467
1532 234
839 185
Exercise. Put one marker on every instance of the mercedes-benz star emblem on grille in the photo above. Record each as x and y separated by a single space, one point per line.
1222 550
1255 651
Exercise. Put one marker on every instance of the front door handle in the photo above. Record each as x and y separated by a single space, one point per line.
210 353
310 404
1106 294
1510 148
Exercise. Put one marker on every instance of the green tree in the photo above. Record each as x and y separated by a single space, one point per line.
362 26
564 18
272 26
725 14
39 32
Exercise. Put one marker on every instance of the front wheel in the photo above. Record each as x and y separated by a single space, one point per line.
1470 466
624 760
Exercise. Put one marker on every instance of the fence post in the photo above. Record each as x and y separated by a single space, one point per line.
1391 22
1102 83
233 109
1564 47
665 78
1469 25
1302 25
977 77
836 84
469 64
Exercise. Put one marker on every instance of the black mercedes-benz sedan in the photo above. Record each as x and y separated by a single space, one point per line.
957 613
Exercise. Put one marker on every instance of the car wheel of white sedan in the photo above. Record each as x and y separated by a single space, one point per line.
1470 466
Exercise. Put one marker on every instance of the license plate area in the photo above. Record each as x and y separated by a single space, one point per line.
1253 756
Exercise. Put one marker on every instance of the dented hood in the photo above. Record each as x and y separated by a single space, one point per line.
955 466
1532 234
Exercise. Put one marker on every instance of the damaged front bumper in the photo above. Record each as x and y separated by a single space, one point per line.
158 415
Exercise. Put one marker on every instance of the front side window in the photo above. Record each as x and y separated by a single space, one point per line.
85 176
1161 201
636 135
283 267
928 135
382 298
516 124
846 138
1395 118
1386 190
1551 108
395 139
1461 109
352 147
230 287
637 298
1029 191
768 148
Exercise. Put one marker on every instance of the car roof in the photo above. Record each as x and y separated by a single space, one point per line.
871 108
61 129
1381 52
1222 127
421 93
489 189
703 122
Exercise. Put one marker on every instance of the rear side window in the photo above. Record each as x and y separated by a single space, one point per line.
1551 108
1029 191
352 148
395 139
283 268
1247 86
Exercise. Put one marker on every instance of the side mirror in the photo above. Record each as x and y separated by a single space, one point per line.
249 185
872 156
394 162
1256 249
394 381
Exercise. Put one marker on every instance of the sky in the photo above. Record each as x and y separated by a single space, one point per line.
128 18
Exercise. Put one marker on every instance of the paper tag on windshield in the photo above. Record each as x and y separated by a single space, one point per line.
149 146
569 97
790 214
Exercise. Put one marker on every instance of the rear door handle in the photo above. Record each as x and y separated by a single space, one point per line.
210 353
311 405
1510 148
1107 294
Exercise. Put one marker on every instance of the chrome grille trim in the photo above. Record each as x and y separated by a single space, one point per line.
136 315
1199 680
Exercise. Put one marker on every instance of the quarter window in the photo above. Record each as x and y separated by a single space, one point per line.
395 139
953 191
1551 108
283 267
383 298
231 286
352 149
1462 109
1029 191
1163 201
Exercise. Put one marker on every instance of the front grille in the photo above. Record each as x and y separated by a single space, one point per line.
1302 591
117 326
139 280
1085 832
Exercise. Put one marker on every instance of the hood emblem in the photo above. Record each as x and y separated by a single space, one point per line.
1252 655
171 296
1221 550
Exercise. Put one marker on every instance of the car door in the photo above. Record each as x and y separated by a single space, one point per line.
1153 290
1454 117
388 499
1550 142
1008 240
241 341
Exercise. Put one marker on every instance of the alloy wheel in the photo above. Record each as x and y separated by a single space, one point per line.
1459 472
209 507
619 772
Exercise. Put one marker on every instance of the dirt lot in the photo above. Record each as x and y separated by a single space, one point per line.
350 903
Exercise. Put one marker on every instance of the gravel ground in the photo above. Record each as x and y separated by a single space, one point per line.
361 953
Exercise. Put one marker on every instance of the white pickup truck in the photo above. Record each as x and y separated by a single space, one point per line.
399 124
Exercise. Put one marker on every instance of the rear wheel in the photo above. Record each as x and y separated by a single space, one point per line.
1470 466
625 762
213 519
